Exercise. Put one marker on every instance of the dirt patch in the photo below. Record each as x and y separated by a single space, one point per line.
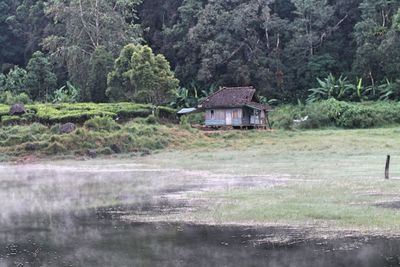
388 205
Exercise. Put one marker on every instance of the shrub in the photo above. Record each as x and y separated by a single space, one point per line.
55 148
196 118
166 113
283 116
338 113
151 119
9 98
183 121
102 124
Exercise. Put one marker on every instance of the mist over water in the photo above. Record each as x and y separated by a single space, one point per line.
57 215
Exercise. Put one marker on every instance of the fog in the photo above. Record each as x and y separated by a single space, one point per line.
66 214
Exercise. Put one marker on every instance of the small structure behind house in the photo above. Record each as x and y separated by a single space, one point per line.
236 107
186 111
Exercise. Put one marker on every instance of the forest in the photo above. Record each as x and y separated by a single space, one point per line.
177 51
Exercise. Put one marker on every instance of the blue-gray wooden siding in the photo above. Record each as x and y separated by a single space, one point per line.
240 117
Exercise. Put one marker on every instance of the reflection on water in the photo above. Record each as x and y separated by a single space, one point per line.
53 216
83 240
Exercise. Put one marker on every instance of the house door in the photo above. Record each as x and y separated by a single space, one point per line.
228 120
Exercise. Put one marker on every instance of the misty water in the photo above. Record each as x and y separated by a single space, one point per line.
71 214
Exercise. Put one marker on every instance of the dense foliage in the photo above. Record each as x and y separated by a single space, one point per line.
81 112
279 46
141 76
333 113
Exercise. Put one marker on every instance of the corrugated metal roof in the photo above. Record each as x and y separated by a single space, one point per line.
186 110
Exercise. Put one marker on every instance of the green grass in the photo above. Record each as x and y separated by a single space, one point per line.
335 177
340 205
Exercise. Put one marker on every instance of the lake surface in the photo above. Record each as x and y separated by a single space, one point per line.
59 215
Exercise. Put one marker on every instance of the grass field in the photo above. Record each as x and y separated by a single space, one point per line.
336 177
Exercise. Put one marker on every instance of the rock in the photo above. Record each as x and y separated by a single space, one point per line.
115 148
67 128
30 147
92 153
17 109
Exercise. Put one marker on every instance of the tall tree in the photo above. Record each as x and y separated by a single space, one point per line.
88 25
11 46
312 24
235 43
101 63
30 24
375 34
41 81
140 75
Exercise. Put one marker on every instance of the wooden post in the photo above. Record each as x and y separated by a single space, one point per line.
387 167
269 124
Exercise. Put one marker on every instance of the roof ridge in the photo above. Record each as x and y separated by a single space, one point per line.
228 88
249 89
238 88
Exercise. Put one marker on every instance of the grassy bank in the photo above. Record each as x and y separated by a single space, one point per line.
97 136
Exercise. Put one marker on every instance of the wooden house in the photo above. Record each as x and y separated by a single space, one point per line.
235 107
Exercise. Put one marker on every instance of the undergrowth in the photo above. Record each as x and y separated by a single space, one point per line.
333 113
82 112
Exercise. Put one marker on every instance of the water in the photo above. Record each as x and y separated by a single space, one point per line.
56 216
84 240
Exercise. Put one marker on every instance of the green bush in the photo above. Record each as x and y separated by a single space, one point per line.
166 113
82 112
102 124
282 117
55 148
184 122
151 119
335 113
196 118
9 98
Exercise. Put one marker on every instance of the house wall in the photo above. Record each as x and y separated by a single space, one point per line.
258 118
249 119
218 117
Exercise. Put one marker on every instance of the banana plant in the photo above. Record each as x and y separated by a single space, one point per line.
388 91
330 87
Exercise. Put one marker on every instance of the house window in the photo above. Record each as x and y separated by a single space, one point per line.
212 114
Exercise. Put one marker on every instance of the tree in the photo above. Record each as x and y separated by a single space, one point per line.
30 24
87 25
15 81
376 36
235 43
41 81
140 75
11 46
101 63
312 24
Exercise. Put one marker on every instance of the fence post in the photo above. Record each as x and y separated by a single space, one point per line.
387 167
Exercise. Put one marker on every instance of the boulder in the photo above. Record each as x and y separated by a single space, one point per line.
30 147
91 153
17 109
115 148
67 128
